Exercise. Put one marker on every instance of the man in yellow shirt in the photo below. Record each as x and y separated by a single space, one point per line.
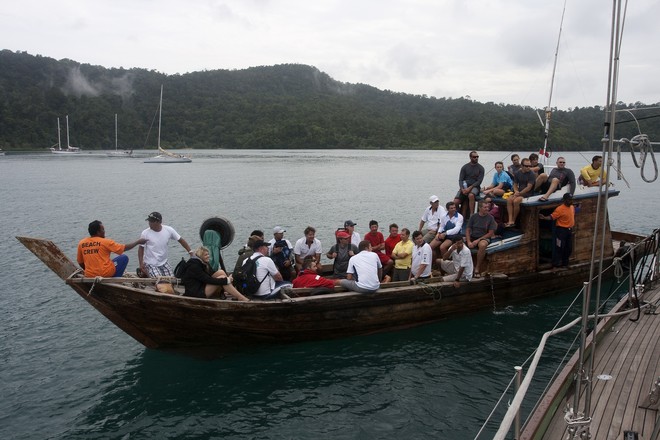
590 175
402 256
94 253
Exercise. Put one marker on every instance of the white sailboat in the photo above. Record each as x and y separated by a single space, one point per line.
69 149
165 156
117 152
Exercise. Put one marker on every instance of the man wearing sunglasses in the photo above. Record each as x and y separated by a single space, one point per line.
469 183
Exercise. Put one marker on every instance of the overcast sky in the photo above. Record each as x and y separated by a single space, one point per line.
490 50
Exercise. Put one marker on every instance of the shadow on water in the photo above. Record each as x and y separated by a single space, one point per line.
430 381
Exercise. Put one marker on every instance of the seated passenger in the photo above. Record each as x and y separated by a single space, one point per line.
523 186
480 229
460 267
422 259
557 179
307 246
364 271
494 210
392 239
247 251
341 253
309 278
402 256
94 253
593 174
349 226
515 166
280 251
201 283
428 225
375 237
534 165
451 225
469 185
267 273
501 183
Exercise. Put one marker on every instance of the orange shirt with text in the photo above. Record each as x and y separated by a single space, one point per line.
94 253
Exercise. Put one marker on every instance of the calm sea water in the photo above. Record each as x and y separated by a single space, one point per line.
68 373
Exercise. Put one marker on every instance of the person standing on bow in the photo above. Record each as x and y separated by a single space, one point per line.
153 254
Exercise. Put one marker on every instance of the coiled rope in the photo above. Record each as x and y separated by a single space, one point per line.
645 150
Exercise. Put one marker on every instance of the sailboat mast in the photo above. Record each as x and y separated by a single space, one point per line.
160 113
548 110
115 131
68 144
59 137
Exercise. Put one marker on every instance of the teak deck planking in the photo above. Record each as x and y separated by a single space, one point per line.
630 353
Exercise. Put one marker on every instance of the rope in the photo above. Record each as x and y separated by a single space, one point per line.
618 268
435 292
645 149
96 280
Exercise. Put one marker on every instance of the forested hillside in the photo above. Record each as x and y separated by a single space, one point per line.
283 106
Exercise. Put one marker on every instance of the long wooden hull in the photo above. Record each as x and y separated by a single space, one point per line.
160 320
166 321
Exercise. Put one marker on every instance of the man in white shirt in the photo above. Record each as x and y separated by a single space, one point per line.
355 239
460 267
307 246
430 220
267 273
451 225
422 258
364 271
153 254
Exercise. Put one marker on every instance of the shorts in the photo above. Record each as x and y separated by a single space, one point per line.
159 271
401 274
462 197
484 239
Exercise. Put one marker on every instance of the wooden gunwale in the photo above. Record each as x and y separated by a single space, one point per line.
164 320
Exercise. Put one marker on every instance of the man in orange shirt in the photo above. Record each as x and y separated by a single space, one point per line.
564 217
94 253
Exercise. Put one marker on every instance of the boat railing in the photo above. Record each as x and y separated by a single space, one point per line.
641 260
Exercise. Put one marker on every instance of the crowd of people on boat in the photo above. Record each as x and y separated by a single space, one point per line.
444 240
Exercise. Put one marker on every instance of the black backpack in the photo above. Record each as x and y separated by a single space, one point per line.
245 277
180 269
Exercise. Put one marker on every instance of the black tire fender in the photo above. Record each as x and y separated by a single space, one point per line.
222 226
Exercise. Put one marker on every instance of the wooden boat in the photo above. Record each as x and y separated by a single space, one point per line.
519 270
165 156
69 149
